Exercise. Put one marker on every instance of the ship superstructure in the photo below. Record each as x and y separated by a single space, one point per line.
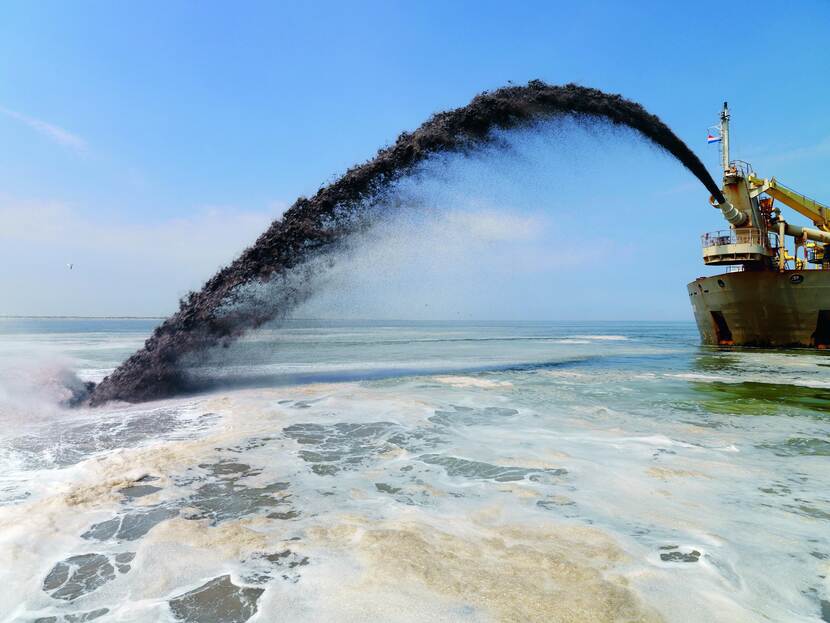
776 288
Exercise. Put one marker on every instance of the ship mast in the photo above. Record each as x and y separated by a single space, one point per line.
724 137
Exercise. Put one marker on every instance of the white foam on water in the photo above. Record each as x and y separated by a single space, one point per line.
471 381
597 493
712 378
609 338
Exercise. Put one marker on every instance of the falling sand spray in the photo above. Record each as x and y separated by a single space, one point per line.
225 308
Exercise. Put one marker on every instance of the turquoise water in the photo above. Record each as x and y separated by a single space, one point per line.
418 471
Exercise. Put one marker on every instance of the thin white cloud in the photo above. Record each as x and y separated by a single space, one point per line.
818 149
821 148
118 268
49 130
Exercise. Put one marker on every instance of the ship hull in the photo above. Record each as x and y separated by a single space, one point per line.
771 309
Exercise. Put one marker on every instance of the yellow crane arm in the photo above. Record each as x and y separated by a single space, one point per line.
812 209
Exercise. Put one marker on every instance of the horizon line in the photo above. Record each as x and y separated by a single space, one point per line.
75 317
79 317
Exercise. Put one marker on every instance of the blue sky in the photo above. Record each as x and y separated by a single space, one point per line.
147 143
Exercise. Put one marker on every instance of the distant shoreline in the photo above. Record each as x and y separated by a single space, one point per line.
82 317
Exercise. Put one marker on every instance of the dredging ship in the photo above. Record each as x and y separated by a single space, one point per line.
776 288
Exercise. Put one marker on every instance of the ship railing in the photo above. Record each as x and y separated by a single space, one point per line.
743 167
744 235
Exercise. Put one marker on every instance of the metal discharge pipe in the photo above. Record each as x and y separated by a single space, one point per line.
733 215
807 232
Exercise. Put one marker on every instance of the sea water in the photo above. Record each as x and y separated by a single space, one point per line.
417 472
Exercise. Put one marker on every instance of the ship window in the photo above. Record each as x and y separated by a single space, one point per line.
721 328
821 337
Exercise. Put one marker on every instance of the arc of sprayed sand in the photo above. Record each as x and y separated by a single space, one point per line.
205 318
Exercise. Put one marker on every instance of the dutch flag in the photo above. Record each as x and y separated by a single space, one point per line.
711 138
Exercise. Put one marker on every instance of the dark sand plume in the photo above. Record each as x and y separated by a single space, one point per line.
224 309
